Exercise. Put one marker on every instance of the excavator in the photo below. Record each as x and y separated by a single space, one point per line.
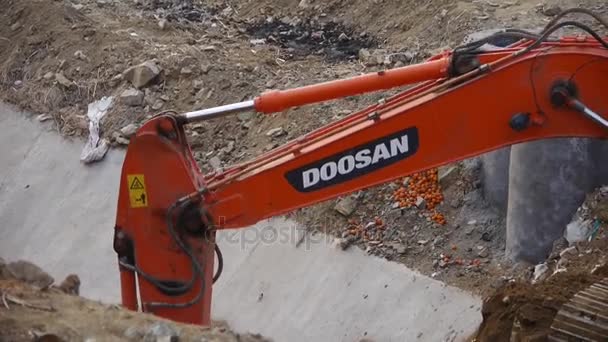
511 87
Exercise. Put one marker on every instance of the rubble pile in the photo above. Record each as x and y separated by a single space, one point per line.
33 308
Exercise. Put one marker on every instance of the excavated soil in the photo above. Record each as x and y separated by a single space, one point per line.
520 311
32 311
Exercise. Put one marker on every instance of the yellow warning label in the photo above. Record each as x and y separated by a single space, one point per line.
137 191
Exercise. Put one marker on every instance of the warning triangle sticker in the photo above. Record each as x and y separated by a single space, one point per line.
136 184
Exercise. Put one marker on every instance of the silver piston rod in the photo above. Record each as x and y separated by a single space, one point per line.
218 112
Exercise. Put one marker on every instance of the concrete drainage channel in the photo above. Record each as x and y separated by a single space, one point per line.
59 214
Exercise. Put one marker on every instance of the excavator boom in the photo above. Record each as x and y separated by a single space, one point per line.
460 104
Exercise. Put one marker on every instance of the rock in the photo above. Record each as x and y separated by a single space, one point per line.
344 243
120 139
162 24
245 116
70 285
443 264
158 104
472 222
134 333
423 242
578 230
304 4
401 249
486 236
216 164
541 271
343 37
558 245
438 241
80 55
257 41
49 75
365 56
551 10
276 132
62 80
18 83
186 71
346 205
143 74
568 252
420 202
483 252
318 35
448 175
43 117
161 331
230 147
129 130
15 26
196 85
132 97
271 84
29 273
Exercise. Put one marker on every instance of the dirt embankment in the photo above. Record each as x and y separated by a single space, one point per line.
33 309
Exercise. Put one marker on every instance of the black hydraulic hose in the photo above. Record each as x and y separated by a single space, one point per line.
554 28
576 10
220 263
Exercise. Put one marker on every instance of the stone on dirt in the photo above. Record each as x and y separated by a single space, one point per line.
365 56
132 97
62 80
215 163
551 10
541 271
129 130
482 252
161 331
120 139
346 206
80 55
448 175
420 203
276 132
143 74
577 230
29 273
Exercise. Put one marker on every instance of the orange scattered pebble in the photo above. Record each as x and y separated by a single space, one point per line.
423 185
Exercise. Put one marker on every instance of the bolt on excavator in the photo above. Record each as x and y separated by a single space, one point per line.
458 104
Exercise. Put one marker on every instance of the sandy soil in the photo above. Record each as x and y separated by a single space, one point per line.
32 309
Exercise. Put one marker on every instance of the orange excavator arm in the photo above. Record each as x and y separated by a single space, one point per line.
465 102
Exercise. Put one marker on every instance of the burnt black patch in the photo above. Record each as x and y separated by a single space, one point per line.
332 40
179 10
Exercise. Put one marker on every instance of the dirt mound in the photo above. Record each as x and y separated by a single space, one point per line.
30 312
521 310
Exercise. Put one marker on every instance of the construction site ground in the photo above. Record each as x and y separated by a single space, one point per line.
57 57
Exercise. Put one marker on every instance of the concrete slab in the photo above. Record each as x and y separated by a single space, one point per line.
59 214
